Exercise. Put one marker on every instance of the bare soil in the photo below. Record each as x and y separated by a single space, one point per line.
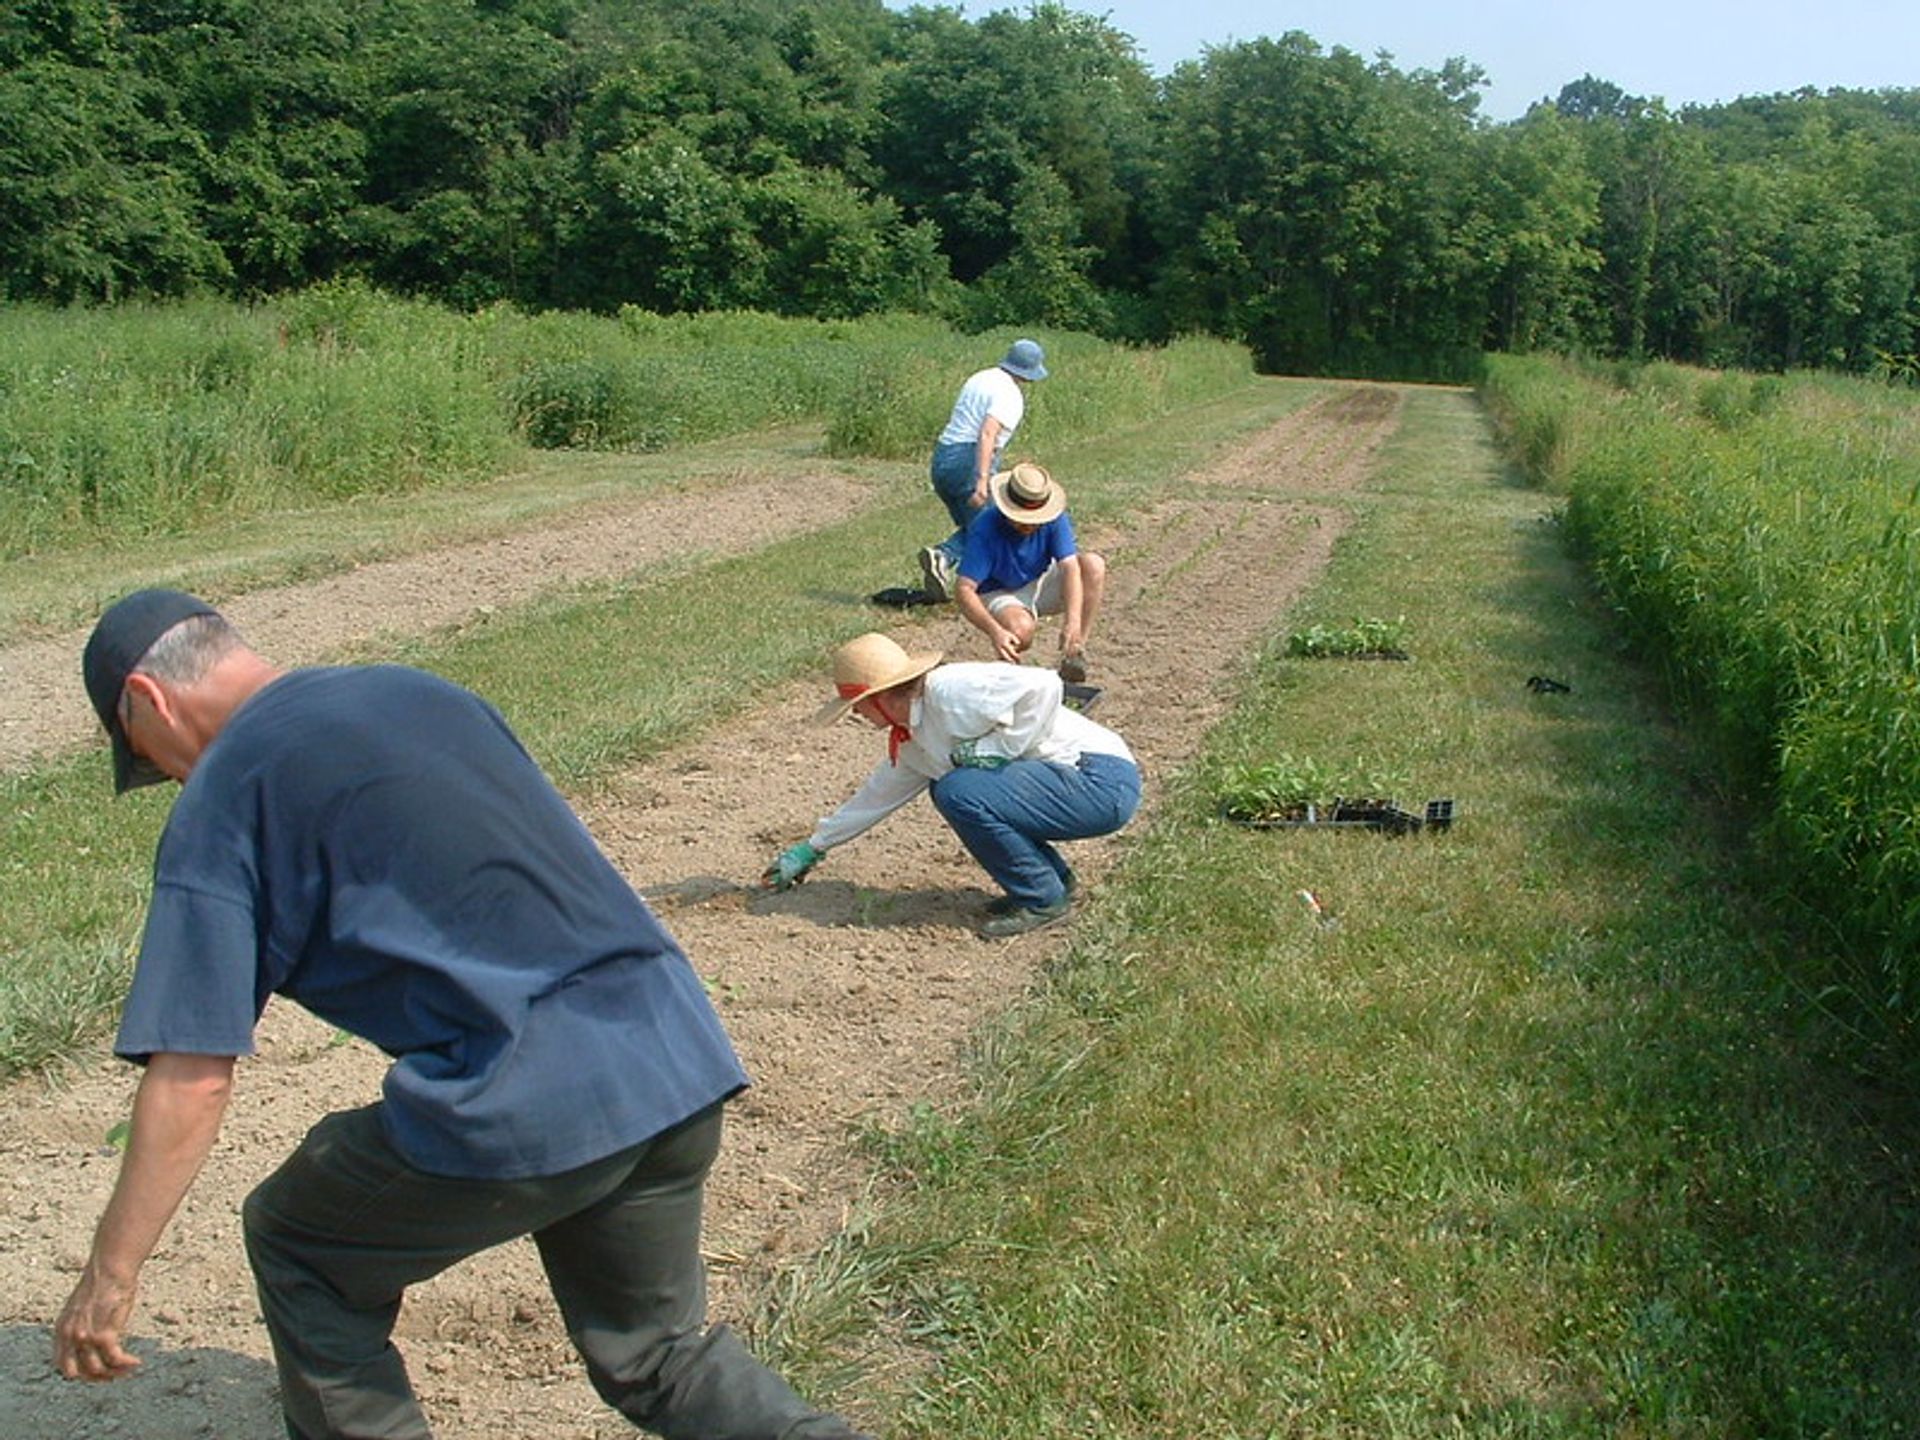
850 998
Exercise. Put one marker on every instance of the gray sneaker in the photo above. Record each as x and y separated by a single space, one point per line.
936 572
1025 918
1006 904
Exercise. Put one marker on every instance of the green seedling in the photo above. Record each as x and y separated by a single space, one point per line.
1364 637
1287 784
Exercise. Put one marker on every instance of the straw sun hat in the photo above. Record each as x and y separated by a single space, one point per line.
1028 494
867 665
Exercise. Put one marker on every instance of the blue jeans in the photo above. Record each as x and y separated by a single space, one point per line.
1006 817
338 1233
953 475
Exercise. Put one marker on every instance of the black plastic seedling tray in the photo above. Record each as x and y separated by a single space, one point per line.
1079 697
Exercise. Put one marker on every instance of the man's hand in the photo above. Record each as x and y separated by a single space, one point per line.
86 1337
790 866
1007 645
176 1115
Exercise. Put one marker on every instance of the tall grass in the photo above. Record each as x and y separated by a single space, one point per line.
1761 537
149 420
644 381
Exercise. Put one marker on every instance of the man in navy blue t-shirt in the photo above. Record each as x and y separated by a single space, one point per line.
374 843
1021 562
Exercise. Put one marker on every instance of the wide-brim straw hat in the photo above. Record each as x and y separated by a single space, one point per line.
867 665
1027 493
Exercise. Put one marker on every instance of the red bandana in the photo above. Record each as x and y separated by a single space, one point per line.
897 736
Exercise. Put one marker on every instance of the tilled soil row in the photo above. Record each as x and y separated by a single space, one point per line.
850 998
43 710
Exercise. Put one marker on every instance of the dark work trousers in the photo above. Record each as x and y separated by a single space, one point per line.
339 1231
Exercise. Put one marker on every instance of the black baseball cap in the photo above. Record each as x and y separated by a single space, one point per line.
119 642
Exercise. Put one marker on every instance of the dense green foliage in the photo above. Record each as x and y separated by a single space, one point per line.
1761 536
833 158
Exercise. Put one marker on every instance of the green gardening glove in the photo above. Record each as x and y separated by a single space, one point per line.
790 867
966 756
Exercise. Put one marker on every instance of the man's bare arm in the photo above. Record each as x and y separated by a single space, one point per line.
176 1117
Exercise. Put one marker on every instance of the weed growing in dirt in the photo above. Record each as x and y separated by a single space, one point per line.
1537 1141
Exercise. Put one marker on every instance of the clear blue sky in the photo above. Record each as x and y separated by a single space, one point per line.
1680 50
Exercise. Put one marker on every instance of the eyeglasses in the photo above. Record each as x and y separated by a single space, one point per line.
126 711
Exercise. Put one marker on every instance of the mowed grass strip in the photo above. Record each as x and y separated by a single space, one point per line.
1532 1142
592 677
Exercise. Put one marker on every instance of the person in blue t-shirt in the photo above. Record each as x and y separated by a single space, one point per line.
374 843
1022 562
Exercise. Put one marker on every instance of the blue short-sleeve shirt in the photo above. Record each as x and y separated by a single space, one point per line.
374 843
999 557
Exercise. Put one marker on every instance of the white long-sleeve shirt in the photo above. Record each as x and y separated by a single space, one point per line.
1011 711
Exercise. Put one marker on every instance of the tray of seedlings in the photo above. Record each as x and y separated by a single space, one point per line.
1362 640
1285 794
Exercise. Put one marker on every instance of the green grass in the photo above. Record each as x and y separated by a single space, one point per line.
1539 1141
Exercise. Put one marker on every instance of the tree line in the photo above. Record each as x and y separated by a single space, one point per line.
833 158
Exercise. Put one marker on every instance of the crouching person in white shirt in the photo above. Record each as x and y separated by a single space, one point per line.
1009 767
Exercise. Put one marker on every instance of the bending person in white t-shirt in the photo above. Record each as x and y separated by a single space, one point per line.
989 409
1007 765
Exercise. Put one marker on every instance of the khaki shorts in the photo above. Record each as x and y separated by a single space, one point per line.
1045 594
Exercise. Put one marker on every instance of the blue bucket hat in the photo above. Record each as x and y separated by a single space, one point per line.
1026 359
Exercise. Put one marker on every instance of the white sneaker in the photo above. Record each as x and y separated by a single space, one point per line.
936 572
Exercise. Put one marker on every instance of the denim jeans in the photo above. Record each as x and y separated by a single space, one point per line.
339 1231
953 475
1007 817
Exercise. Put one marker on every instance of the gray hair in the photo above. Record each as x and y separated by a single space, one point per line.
186 652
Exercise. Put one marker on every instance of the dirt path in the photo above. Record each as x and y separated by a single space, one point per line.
849 998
